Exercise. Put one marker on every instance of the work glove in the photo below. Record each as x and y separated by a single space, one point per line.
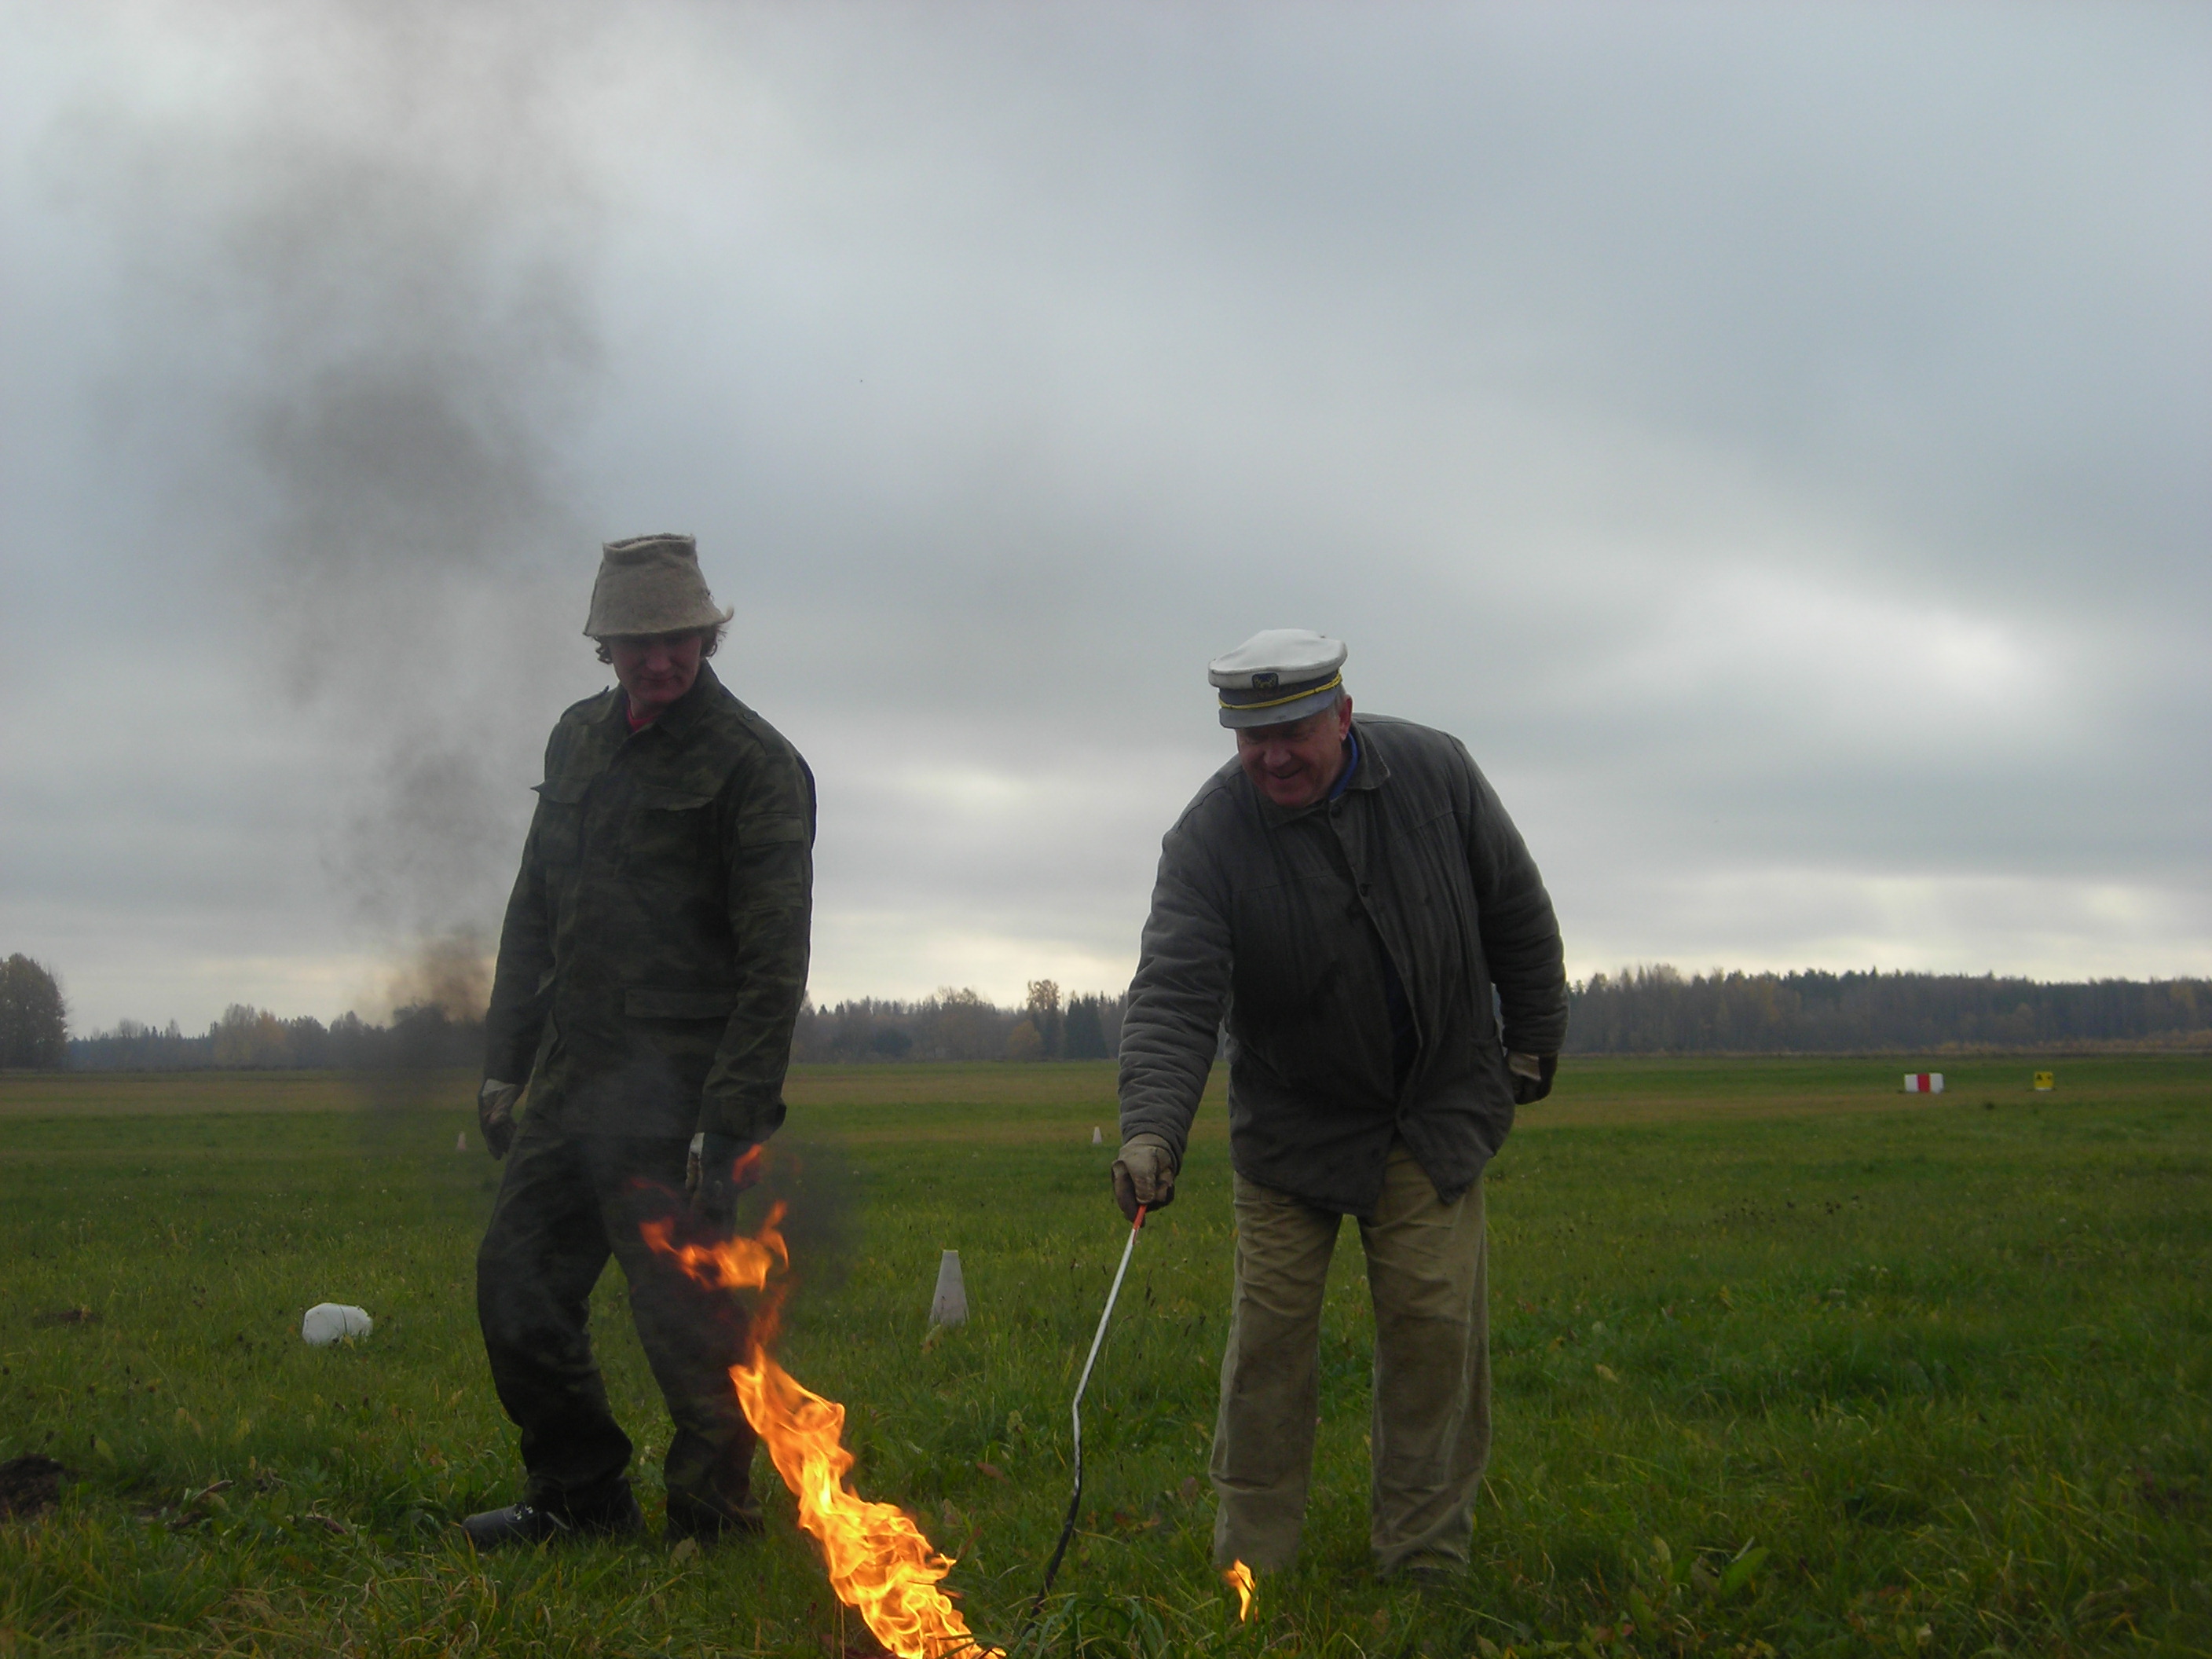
717 1171
1144 1174
495 1115
1531 1075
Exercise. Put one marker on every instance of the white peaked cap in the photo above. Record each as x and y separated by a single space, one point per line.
1278 675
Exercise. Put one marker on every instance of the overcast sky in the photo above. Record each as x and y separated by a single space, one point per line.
1775 438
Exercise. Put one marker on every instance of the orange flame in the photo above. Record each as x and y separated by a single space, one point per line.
1238 1577
880 1562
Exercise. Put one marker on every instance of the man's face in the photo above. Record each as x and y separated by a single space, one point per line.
1296 764
655 669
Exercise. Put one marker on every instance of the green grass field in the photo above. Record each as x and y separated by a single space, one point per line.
1784 1364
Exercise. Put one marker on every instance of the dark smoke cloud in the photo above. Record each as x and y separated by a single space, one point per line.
391 248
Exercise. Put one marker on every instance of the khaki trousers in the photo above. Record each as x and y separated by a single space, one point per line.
1428 1273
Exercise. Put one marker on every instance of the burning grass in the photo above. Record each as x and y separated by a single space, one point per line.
1890 1377
880 1562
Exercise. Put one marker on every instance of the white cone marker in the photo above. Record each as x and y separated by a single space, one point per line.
950 1305
1097 1139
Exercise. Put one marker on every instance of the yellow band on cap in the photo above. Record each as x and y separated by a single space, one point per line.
1330 685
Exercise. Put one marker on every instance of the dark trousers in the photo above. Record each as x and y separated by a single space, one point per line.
567 1201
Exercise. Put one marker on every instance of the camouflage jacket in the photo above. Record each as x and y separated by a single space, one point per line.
1275 923
654 951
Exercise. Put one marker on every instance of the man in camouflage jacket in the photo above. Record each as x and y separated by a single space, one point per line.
651 969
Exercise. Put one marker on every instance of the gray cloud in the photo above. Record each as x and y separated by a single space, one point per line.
353 296
1774 440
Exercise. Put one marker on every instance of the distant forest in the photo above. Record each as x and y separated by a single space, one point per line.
1641 1011
252 1039
961 1026
950 1025
1646 1011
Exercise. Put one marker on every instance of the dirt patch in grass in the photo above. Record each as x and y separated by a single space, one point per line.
2172 1498
29 1484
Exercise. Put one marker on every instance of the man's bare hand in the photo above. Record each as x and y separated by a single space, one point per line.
1144 1174
495 1115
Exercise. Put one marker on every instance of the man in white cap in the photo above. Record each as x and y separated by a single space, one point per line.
650 973
1347 902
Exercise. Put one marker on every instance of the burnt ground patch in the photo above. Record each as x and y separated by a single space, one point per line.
29 1484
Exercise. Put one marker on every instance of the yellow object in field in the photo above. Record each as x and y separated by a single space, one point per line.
2046 1079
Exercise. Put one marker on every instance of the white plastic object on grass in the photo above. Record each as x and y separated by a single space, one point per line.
332 1322
950 1305
1097 1139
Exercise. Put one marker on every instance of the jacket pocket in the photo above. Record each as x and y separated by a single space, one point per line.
641 1003
673 800
560 821
670 836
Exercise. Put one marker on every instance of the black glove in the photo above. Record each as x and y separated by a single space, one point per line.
495 1115
718 1171
1531 1075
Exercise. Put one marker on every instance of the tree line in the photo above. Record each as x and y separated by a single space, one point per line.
953 1025
1647 1010
1657 1010
249 1039
959 1024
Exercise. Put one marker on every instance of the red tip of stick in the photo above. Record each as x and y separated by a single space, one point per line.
1140 1221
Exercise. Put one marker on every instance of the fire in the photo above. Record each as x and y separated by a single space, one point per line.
1238 1577
880 1562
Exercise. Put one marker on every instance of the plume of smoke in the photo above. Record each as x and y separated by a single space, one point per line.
379 237
450 972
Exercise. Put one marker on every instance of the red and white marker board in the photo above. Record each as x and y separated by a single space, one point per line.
1923 1082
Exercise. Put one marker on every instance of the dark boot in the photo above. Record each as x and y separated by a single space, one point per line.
710 1523
535 1523
1429 1572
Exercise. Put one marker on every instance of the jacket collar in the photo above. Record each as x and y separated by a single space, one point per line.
679 718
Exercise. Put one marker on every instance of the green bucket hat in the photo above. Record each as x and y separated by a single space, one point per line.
651 585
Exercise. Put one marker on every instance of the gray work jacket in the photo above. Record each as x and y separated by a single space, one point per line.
1270 924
